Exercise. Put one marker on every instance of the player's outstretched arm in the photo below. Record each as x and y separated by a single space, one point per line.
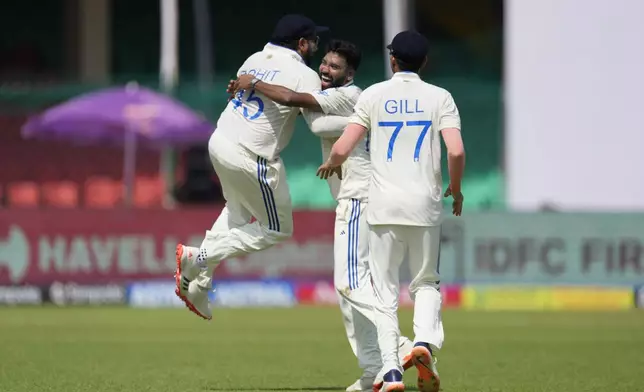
456 166
326 125
347 142
279 94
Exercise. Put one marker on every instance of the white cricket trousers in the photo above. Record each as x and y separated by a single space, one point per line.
389 244
252 187
352 280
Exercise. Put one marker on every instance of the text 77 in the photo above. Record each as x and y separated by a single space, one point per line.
398 126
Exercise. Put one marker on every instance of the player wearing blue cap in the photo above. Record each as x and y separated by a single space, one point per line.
245 153
328 113
403 119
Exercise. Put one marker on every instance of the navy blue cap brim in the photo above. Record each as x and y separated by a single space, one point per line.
321 29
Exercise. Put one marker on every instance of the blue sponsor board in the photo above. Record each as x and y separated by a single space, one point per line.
273 293
152 295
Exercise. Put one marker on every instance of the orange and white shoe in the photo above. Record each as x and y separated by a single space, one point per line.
404 350
428 380
364 383
197 301
187 270
406 361
392 381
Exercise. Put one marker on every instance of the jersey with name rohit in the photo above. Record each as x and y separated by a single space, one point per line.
404 116
257 123
356 171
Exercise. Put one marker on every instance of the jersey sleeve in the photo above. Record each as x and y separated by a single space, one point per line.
448 114
325 125
334 101
361 112
309 83
243 67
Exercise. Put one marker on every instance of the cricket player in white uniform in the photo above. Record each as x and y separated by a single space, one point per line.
403 119
245 153
328 112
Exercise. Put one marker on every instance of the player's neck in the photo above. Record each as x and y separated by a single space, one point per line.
291 51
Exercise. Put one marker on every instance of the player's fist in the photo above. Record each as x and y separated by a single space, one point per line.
232 87
244 81
457 204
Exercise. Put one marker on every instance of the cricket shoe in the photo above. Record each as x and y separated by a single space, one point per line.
428 380
392 381
187 270
406 361
364 383
197 301
405 349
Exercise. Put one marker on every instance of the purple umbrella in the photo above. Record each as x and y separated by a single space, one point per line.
124 115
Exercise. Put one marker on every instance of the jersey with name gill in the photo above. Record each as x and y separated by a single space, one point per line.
404 116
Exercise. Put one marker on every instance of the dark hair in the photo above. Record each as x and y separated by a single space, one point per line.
349 51
290 44
409 67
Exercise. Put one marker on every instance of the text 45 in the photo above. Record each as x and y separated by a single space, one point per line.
398 126
239 101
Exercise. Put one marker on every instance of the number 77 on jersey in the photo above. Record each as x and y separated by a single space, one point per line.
422 125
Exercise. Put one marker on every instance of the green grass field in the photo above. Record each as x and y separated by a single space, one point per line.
304 349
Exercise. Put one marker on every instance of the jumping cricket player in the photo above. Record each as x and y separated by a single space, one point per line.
402 119
328 112
245 153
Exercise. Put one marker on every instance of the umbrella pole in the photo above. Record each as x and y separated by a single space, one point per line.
169 72
129 167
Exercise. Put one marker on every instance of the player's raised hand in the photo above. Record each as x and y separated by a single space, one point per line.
232 87
326 170
457 204
244 81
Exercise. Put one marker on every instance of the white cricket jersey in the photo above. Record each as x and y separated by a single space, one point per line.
404 116
257 123
356 171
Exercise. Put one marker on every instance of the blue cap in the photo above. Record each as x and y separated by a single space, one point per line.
409 46
293 26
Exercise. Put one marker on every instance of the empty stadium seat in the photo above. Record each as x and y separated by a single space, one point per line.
62 194
148 191
102 192
23 194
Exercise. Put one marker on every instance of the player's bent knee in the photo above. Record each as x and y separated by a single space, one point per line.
433 287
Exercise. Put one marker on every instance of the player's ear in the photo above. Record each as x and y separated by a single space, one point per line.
302 44
351 73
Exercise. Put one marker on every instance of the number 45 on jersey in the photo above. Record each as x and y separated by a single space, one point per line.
398 126
238 101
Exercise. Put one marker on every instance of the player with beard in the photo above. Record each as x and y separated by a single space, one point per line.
245 153
405 118
328 112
